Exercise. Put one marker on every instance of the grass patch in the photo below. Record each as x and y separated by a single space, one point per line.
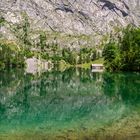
88 65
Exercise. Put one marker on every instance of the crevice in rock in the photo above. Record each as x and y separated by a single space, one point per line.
64 9
112 6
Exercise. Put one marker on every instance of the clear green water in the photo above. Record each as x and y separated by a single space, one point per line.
75 104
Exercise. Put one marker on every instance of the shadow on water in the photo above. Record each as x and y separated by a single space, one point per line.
74 104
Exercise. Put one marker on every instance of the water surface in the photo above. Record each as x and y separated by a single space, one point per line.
72 105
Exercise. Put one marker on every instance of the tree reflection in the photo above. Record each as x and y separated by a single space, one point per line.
125 86
70 96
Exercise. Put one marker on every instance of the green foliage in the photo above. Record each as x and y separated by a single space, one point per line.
2 21
130 48
26 29
21 31
42 39
55 53
40 49
87 55
45 55
125 54
10 55
74 57
28 53
112 56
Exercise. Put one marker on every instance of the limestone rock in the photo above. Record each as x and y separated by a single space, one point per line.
73 16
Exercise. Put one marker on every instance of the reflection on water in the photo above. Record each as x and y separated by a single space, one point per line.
75 101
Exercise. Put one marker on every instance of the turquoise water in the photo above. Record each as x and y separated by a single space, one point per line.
75 103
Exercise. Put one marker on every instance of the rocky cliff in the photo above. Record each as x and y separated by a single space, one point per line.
87 17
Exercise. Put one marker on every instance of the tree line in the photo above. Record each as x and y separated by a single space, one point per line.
123 53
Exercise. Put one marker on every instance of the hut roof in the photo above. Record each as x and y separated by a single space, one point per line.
97 65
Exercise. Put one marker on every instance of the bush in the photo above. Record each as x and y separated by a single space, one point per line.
130 48
124 54
10 55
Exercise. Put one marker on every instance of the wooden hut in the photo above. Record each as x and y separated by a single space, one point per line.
97 67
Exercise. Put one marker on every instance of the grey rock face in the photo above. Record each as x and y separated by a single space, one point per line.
73 16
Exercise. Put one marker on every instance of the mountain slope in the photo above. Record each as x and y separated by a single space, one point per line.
73 16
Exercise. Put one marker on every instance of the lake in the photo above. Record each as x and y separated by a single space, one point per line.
76 104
